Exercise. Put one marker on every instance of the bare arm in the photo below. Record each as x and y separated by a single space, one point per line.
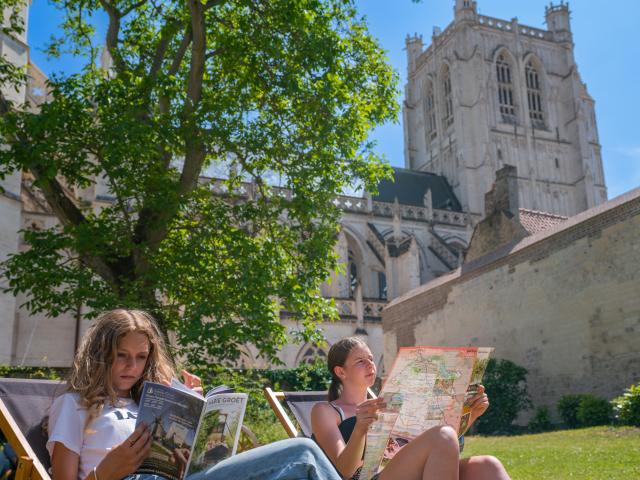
121 460
64 462
346 457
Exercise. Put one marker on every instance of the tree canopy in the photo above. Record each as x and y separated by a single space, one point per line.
286 88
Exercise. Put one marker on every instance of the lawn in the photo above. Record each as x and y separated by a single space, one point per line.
602 453
599 453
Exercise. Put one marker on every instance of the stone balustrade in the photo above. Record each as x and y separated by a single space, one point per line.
371 308
351 204
346 308
508 26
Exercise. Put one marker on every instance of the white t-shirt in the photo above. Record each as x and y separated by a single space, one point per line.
67 426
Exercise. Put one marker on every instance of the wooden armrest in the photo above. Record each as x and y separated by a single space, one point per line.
274 399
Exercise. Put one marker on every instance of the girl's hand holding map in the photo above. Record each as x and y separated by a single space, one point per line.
367 412
478 403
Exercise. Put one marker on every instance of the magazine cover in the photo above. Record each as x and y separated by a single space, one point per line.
219 431
172 417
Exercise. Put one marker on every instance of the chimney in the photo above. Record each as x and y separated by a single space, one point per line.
503 197
501 226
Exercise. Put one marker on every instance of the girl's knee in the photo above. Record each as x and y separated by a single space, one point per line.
447 434
490 464
443 437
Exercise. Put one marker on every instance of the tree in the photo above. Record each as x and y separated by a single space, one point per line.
282 87
506 384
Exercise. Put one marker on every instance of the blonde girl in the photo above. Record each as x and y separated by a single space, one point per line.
92 434
340 426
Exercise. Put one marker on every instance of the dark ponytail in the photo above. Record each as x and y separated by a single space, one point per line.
337 357
335 389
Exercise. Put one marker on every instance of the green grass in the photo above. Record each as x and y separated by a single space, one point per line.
602 453
267 428
598 453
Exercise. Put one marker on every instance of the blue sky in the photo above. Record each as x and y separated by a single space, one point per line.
607 50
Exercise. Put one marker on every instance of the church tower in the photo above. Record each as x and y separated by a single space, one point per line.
488 92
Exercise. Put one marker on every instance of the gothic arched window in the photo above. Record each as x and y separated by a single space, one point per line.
430 113
505 91
447 100
382 286
309 354
534 96
353 275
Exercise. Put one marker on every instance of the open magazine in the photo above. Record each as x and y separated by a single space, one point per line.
427 387
189 432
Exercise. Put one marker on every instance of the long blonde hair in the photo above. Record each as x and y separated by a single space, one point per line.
90 375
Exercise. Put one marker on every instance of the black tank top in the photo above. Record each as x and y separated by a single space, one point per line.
346 429
345 426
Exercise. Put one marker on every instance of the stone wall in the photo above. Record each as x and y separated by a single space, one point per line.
9 225
564 303
14 49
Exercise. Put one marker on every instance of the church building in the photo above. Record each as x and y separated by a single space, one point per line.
484 94
489 92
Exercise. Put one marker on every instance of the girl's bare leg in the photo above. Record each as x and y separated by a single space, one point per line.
482 467
434 455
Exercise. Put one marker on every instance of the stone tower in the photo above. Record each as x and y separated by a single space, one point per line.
487 93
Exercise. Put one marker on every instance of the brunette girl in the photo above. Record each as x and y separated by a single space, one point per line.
340 427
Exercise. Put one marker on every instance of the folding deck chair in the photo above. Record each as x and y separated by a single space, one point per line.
300 404
24 403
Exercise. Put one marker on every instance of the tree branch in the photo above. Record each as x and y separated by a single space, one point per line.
213 3
112 33
67 212
70 215
182 50
161 50
195 149
133 7
213 53
5 105
198 49
152 225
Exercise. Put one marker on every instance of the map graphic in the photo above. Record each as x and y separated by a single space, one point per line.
433 382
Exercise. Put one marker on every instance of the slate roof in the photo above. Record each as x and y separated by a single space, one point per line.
534 221
410 187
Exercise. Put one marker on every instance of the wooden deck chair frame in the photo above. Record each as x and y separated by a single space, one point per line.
275 400
29 467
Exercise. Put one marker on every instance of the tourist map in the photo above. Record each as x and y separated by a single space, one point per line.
433 384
